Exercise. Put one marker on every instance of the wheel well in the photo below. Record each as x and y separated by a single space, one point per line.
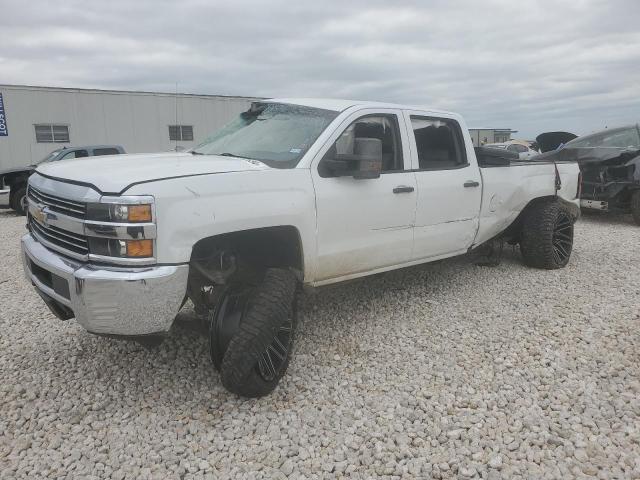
242 255
279 246
513 231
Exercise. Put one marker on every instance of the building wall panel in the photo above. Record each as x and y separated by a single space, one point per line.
139 121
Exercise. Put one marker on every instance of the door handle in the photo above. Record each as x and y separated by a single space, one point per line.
403 189
471 183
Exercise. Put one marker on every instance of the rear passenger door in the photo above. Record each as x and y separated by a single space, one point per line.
449 186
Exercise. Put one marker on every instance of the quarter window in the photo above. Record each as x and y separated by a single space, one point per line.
439 143
52 133
181 133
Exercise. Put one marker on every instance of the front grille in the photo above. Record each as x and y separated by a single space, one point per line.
57 204
64 240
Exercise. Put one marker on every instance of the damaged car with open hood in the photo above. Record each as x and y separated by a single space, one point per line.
609 163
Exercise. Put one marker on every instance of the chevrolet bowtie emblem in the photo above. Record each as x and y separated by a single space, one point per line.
40 215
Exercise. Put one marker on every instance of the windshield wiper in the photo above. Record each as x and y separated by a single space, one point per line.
227 154
193 152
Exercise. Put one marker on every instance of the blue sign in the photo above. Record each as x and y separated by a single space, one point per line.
3 119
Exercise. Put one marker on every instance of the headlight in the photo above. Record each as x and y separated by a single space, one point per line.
105 212
121 229
109 247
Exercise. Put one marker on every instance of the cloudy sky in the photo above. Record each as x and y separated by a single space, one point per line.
528 65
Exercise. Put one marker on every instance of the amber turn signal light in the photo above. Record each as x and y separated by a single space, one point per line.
139 248
139 213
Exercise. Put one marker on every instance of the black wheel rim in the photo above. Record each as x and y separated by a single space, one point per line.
562 238
232 307
274 358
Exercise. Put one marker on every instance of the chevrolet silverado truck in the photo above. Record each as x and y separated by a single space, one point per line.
294 192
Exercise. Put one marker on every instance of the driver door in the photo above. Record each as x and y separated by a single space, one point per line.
365 225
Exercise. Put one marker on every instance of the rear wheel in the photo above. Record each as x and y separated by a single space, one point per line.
547 236
635 206
251 332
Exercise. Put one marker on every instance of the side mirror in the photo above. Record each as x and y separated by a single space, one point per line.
366 161
369 150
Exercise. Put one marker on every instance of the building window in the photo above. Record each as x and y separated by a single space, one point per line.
51 133
181 133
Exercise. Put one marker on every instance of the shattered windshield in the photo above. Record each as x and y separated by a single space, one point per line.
274 133
628 137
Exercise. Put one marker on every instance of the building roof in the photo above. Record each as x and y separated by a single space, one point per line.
121 92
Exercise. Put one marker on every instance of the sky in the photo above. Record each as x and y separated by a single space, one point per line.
529 65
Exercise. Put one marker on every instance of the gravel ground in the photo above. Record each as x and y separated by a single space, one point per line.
441 371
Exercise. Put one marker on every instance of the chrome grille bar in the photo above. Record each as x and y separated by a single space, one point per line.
59 240
69 207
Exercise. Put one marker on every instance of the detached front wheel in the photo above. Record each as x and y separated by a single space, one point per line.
251 333
547 236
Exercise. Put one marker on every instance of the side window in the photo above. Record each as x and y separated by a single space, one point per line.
381 127
439 143
75 154
105 151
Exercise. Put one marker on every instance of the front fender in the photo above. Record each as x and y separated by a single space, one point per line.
192 208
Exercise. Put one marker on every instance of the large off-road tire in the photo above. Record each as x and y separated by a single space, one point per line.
251 333
19 201
635 206
547 236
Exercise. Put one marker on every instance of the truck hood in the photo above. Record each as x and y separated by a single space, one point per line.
116 173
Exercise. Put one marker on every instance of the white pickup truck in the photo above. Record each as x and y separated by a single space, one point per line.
293 192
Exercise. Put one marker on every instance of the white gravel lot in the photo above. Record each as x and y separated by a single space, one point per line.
447 370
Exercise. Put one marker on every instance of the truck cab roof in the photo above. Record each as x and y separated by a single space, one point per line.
339 105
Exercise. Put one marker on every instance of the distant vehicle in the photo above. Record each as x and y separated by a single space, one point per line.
15 179
550 141
524 151
610 165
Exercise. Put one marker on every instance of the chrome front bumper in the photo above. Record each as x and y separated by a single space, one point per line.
112 301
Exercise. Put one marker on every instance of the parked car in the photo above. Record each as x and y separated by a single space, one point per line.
610 165
295 192
15 179
522 149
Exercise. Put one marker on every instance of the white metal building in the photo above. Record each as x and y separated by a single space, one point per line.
38 120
